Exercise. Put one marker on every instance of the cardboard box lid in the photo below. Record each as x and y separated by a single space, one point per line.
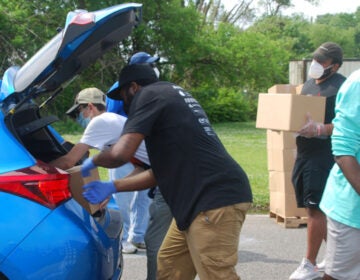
282 88
76 184
287 112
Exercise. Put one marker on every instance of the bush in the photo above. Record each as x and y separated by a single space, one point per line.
226 104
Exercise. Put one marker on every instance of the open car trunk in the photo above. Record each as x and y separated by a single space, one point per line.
85 38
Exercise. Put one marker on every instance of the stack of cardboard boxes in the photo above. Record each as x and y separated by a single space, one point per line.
282 111
281 154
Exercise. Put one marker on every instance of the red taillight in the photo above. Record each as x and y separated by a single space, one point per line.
47 189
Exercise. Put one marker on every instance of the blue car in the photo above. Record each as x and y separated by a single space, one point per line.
44 232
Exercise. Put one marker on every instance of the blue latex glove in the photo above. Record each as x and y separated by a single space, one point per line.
97 191
87 166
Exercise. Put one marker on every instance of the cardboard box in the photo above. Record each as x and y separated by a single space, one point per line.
281 159
280 181
287 112
285 205
76 183
298 89
277 139
282 88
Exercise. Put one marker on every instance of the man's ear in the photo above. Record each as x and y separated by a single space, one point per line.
336 67
135 87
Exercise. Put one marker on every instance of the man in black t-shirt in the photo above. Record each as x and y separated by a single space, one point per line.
314 156
206 189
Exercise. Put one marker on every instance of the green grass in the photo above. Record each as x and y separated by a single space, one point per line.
247 145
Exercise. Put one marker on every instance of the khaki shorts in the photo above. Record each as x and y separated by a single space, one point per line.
209 247
342 251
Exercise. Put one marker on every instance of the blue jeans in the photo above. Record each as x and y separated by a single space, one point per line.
134 207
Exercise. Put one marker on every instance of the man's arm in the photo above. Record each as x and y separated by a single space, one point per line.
351 170
72 157
98 191
315 129
121 152
141 181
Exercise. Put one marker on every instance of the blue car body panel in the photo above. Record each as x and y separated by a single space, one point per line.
27 211
13 155
88 254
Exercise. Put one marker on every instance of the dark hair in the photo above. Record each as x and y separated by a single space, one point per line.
100 107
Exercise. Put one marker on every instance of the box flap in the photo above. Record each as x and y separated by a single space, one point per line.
76 184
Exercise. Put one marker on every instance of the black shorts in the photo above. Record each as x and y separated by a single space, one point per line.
309 179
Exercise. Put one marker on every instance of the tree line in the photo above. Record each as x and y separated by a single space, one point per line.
223 57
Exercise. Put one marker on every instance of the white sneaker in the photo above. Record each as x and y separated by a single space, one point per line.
128 248
139 245
306 271
321 266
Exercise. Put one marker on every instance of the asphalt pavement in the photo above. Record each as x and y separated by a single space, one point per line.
267 250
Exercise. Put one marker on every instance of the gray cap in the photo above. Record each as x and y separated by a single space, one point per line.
329 50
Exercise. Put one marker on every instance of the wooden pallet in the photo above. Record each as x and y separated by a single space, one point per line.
289 222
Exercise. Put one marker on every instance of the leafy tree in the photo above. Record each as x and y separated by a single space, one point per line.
28 26
290 32
202 46
344 28
275 7
241 14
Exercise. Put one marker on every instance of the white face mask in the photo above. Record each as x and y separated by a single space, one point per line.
317 71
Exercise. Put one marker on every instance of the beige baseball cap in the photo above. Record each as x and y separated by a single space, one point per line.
86 96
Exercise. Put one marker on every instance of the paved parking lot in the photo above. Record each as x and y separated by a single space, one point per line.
267 251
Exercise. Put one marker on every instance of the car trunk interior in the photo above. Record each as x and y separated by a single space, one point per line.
31 129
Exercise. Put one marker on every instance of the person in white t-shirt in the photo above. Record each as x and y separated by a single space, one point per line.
103 129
